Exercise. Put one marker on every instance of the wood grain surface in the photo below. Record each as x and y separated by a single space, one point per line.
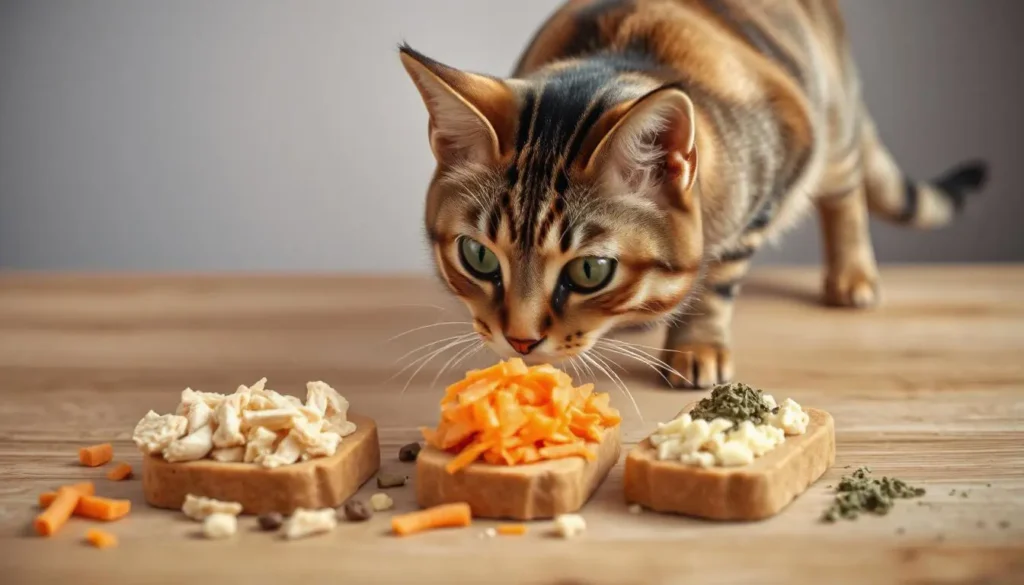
929 388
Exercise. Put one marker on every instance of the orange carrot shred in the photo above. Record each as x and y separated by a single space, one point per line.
85 488
100 538
511 529
512 414
93 507
443 516
57 513
119 472
96 455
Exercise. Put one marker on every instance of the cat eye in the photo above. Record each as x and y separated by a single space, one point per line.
478 259
590 273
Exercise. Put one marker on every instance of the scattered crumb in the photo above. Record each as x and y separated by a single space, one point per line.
569 525
356 511
489 533
952 492
901 530
963 494
636 509
381 501
305 523
988 485
270 521
390 479
1004 524
409 452
220 525
200 507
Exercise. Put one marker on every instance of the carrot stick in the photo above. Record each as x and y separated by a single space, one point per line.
121 471
96 455
100 538
58 512
86 488
93 507
442 516
512 529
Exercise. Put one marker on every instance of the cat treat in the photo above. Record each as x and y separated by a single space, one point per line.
736 455
518 442
266 451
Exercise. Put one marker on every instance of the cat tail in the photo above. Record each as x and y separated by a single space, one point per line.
894 197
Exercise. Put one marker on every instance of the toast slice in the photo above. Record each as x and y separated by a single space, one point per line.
751 492
519 492
324 482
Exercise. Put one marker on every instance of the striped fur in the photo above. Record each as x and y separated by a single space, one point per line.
675 136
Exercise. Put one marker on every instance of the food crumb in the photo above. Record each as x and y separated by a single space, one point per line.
390 479
963 494
569 525
1004 524
356 511
100 538
409 452
489 533
220 525
303 523
900 530
636 509
270 521
381 501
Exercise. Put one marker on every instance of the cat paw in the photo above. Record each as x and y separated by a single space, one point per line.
856 288
699 365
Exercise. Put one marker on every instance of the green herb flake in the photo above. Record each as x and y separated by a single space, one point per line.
735 402
859 493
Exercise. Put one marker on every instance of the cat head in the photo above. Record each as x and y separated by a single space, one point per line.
562 205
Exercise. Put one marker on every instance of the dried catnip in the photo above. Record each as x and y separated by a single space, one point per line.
859 493
736 402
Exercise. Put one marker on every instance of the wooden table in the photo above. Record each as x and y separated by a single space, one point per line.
927 388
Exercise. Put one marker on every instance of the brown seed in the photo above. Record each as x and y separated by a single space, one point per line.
356 511
270 521
409 452
390 479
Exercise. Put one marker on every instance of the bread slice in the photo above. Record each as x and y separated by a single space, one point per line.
519 492
324 482
751 492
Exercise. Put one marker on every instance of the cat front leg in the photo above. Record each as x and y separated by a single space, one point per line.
697 345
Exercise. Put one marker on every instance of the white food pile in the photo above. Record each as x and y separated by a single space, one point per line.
253 425
721 443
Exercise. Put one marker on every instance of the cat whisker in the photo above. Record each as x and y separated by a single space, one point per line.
639 345
433 343
422 327
462 352
614 378
642 356
430 357
658 369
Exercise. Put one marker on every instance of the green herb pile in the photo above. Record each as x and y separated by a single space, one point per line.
736 402
858 493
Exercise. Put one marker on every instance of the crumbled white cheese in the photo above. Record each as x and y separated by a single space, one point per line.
721 443
636 509
199 507
381 501
191 447
228 454
155 432
303 523
217 526
253 425
569 525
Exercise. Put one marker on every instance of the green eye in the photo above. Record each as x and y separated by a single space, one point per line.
590 273
478 259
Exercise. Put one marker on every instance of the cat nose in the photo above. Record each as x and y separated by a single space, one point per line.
523 346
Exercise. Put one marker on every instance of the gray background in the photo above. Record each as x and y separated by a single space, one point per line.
256 135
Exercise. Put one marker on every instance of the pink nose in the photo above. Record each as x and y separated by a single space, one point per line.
523 346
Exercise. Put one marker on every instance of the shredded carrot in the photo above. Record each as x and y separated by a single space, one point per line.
86 488
442 516
100 538
93 507
512 529
57 513
511 414
96 455
119 472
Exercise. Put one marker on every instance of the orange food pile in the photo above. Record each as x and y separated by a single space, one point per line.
511 414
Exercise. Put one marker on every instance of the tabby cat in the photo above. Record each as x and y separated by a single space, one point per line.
639 155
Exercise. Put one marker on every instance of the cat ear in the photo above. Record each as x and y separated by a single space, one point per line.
472 117
652 136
